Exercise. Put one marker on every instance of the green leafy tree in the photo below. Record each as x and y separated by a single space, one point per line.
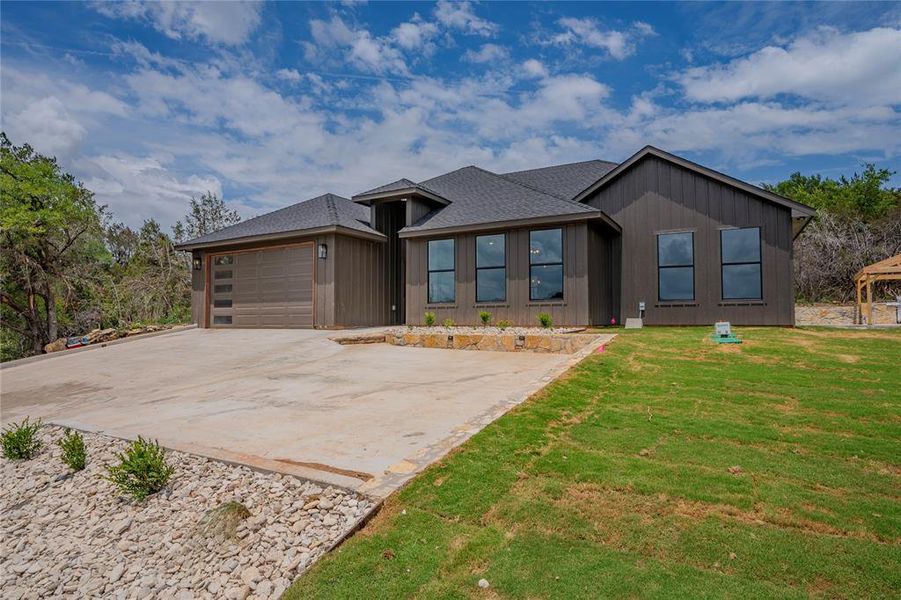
864 196
858 222
206 215
50 226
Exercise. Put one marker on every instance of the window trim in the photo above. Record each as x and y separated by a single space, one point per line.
495 268
561 264
758 262
694 286
429 271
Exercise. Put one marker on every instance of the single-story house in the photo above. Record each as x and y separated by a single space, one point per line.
590 243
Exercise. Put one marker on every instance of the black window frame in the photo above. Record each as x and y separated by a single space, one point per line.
549 264
758 262
429 270
503 267
694 290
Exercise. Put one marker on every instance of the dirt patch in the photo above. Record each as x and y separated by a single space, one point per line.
789 406
848 358
605 505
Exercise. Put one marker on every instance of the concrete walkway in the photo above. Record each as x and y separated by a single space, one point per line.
364 417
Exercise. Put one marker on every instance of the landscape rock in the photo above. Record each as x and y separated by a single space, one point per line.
79 537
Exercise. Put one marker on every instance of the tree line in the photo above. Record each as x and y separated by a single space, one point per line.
858 222
67 267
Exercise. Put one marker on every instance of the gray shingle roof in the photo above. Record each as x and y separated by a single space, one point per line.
477 196
400 184
323 211
565 181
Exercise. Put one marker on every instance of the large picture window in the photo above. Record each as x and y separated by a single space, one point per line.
491 268
441 271
740 257
676 266
546 264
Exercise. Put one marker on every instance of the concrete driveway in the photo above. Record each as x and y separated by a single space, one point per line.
365 417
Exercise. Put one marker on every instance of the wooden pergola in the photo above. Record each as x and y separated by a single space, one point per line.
884 270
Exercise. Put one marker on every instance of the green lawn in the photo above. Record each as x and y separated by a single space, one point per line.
665 467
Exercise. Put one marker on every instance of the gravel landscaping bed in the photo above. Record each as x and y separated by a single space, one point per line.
77 536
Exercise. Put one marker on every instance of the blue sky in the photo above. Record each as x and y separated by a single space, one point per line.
269 104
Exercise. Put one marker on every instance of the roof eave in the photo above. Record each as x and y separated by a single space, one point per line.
798 209
367 199
250 239
512 223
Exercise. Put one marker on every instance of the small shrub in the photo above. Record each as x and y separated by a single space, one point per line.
503 324
429 319
20 440
449 323
545 320
222 521
485 317
74 452
142 469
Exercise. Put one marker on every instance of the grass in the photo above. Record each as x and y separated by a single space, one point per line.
666 467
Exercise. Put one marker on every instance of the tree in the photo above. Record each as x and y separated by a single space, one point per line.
858 222
153 286
49 224
206 215
864 196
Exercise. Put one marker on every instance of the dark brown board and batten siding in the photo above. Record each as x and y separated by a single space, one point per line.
517 308
361 288
656 196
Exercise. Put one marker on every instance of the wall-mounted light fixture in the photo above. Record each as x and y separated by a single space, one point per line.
323 251
198 264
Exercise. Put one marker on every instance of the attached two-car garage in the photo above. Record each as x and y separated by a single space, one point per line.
270 287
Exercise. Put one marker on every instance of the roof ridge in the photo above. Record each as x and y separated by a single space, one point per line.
528 187
332 209
578 162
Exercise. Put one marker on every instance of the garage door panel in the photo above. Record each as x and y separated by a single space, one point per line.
270 289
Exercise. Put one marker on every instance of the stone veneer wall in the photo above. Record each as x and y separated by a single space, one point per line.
840 315
565 343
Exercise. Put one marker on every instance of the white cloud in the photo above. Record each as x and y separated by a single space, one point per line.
588 32
535 68
460 16
229 23
47 126
414 34
289 75
487 53
360 48
137 188
853 68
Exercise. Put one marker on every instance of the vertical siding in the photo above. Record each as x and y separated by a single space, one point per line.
198 289
391 217
518 309
360 283
656 196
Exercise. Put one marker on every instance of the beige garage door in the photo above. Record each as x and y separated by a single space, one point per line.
262 288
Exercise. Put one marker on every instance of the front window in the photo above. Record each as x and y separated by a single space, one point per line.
546 264
441 271
491 268
740 251
676 266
